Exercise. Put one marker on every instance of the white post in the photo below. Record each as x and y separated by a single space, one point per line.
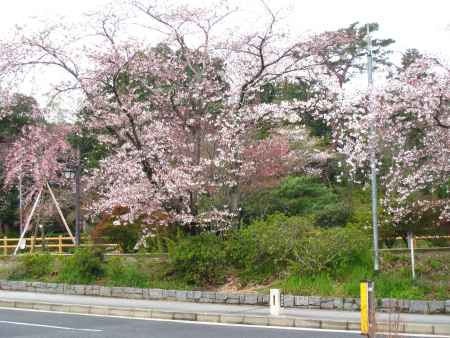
411 248
275 302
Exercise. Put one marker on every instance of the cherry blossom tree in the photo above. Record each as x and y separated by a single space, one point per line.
410 115
179 117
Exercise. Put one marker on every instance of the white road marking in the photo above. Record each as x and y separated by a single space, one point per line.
226 324
49 326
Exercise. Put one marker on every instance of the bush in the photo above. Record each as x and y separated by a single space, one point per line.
83 267
120 273
299 195
332 216
329 250
198 259
33 266
264 247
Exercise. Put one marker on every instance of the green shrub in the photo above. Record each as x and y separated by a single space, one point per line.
264 247
121 273
33 266
198 259
332 216
329 250
298 195
83 267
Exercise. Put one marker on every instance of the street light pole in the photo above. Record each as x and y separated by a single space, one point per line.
372 149
20 204
77 198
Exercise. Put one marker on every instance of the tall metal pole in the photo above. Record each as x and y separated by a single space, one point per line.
373 158
20 204
77 198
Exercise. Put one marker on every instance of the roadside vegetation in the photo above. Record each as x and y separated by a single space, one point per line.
298 245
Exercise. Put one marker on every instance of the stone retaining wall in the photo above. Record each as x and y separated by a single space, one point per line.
310 302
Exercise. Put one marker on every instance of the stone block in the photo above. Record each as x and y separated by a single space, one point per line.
122 312
251 299
349 304
418 328
281 321
301 301
256 320
105 291
338 303
232 319
142 313
314 302
442 329
263 299
170 294
334 325
42 306
221 296
209 295
232 301
447 306
418 306
308 323
185 316
156 293
354 326
436 306
181 295
117 291
133 293
92 290
99 310
288 301
84 309
327 303
206 317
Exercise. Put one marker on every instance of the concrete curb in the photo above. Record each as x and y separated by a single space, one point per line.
288 301
280 321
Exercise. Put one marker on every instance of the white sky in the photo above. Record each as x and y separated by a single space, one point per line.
421 24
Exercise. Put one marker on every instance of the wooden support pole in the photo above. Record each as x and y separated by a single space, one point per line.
5 246
60 212
60 248
27 224
33 239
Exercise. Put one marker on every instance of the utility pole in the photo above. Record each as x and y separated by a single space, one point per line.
372 149
20 204
77 198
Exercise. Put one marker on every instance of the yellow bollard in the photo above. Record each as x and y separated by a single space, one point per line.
364 308
368 326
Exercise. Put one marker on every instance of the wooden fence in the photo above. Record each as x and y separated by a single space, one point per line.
55 245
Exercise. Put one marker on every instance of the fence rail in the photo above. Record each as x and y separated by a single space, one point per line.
57 245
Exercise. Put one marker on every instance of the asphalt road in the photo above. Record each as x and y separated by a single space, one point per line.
32 324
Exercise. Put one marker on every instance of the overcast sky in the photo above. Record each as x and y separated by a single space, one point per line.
421 24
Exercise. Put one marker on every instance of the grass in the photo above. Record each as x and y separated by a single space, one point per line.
433 279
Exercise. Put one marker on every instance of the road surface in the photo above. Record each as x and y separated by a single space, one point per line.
37 324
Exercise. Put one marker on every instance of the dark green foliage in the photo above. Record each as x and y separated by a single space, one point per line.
33 266
119 272
264 247
300 195
126 236
332 215
199 259
84 267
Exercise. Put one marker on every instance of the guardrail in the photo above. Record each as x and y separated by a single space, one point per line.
55 245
